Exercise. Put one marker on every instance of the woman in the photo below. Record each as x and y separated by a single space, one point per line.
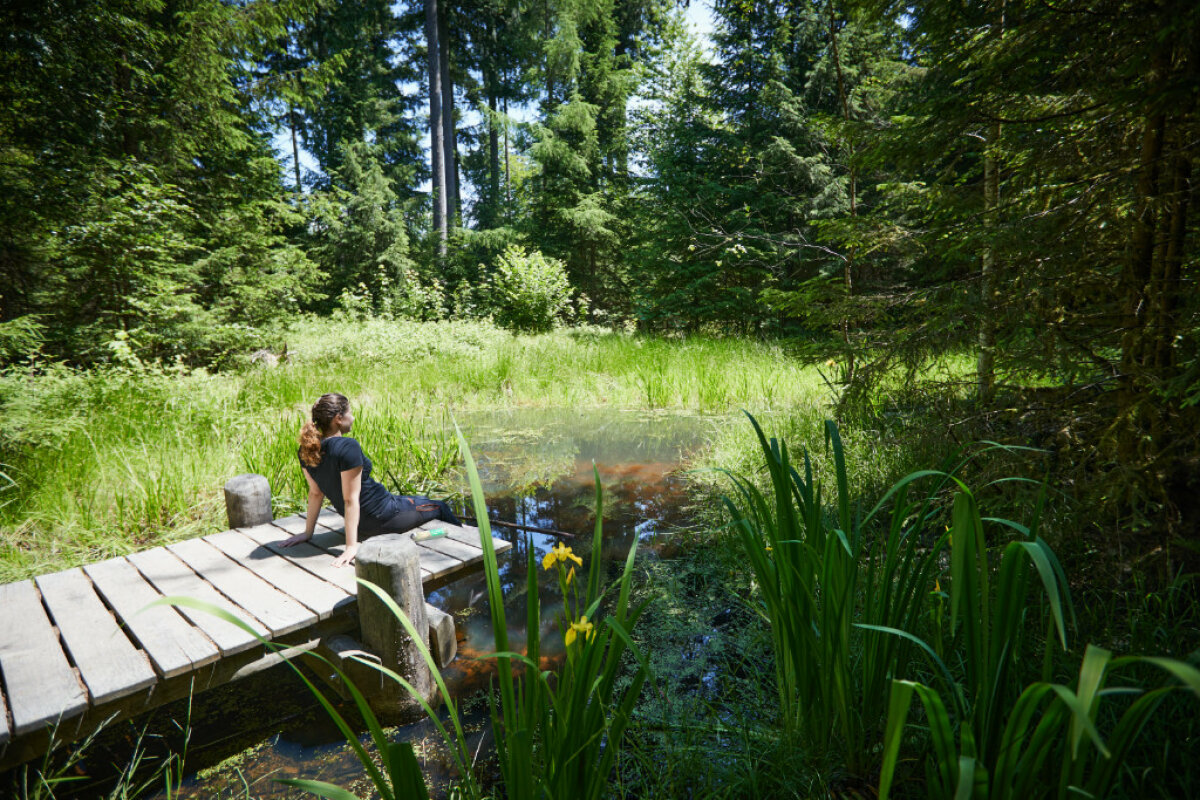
336 467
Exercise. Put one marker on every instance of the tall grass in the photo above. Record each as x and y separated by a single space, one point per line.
820 575
101 463
143 774
993 732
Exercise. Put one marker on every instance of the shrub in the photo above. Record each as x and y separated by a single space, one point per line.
531 291
20 338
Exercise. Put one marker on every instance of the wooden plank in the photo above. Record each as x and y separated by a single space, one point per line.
109 664
448 547
439 564
305 555
173 644
318 595
327 517
331 519
293 524
468 535
332 542
172 577
39 683
279 612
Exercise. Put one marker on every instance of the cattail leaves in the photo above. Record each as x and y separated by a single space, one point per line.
823 582
1006 739
1051 728
850 600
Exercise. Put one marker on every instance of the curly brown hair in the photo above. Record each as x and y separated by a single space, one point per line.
323 413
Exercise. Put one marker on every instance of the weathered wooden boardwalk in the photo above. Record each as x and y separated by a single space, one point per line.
80 646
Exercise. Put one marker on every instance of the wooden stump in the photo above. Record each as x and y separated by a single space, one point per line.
392 562
248 501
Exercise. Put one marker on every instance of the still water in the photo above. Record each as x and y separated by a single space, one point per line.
538 469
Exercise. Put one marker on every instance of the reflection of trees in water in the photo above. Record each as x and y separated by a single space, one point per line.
518 450
538 471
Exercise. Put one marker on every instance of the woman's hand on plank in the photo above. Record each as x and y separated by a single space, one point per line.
347 556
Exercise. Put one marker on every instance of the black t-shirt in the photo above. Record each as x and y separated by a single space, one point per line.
338 454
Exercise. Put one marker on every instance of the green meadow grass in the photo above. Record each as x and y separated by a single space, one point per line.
96 464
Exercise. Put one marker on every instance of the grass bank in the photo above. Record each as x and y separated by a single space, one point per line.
105 462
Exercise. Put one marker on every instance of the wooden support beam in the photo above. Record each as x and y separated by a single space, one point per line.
392 562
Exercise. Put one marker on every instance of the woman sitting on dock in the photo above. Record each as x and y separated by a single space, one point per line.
336 467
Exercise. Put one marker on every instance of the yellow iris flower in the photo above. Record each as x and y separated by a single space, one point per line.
583 626
560 552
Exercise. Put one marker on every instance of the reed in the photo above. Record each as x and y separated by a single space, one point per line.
559 734
821 576
992 732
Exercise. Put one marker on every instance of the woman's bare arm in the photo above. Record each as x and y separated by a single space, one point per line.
351 488
315 498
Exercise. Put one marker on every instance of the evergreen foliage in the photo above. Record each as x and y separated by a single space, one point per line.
1006 181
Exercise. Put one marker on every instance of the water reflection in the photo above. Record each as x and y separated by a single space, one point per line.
537 468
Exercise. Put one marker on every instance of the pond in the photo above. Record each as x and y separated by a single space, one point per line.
537 468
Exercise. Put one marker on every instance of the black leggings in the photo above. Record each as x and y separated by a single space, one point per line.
417 511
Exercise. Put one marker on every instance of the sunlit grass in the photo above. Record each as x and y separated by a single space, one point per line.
105 463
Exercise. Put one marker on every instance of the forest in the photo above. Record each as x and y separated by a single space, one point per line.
942 254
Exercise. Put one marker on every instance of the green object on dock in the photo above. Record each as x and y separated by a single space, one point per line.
432 533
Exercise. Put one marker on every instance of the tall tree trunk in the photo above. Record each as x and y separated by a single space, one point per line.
493 160
490 88
547 30
1140 266
449 137
1165 290
985 365
848 271
1139 270
295 146
507 171
437 148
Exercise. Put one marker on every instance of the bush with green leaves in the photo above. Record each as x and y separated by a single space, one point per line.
530 292
20 337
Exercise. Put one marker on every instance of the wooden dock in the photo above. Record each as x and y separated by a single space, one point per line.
79 647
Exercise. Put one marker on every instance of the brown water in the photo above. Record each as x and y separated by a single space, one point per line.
537 467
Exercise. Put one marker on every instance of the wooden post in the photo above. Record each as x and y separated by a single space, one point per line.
393 563
248 501
443 644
